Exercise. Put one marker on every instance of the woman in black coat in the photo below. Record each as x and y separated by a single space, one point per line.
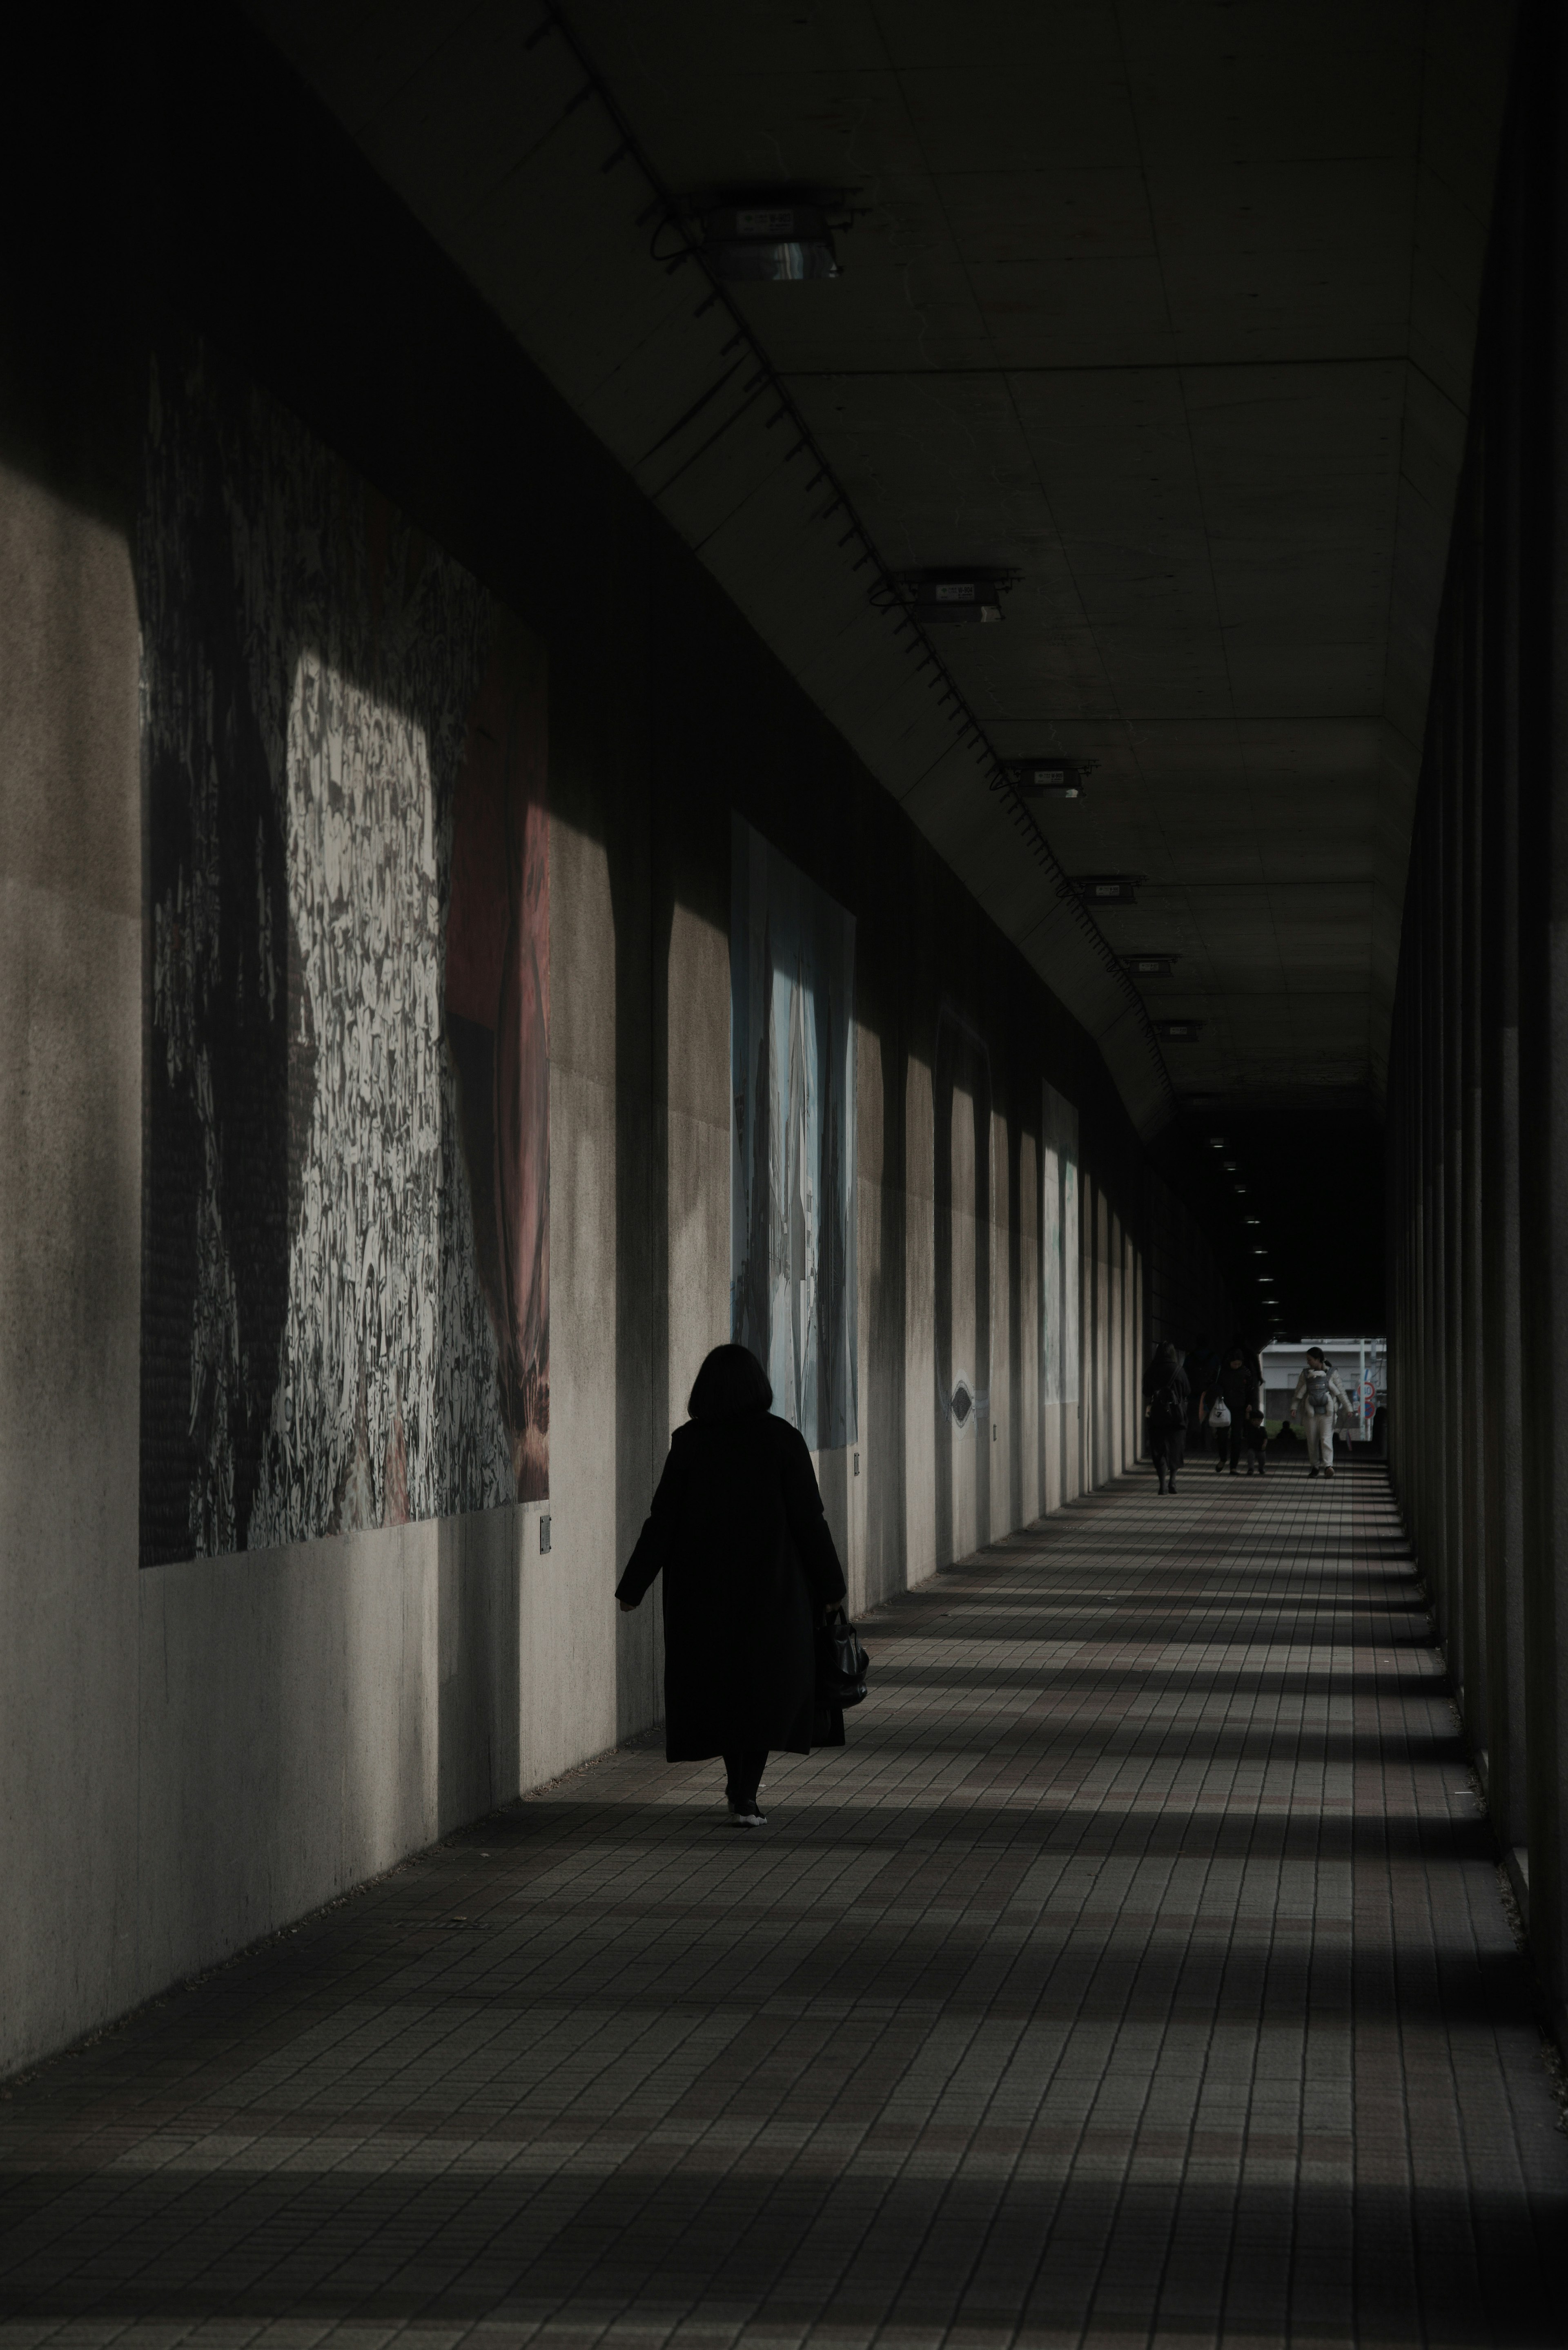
749 1570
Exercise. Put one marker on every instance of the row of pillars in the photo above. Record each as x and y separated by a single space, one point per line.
1478 1080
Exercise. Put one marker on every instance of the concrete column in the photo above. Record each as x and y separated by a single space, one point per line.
1433 1339
1544 999
1116 1361
1501 1385
1455 1384
1469 875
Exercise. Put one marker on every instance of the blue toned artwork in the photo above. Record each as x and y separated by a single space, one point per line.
791 1137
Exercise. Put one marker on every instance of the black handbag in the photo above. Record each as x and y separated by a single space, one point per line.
842 1664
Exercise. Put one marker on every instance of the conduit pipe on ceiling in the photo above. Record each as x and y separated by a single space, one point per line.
969 727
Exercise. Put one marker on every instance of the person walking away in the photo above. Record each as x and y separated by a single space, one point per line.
1238 1382
749 1570
1318 1399
1166 1399
1255 1437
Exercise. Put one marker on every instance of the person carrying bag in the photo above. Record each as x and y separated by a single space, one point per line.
749 1574
1240 1390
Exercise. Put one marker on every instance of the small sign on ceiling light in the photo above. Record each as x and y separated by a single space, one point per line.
970 598
768 242
1049 778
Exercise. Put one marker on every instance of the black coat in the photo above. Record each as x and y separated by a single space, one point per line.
1158 1380
749 1566
1239 1385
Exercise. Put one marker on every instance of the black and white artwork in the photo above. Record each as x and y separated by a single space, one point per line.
344 1297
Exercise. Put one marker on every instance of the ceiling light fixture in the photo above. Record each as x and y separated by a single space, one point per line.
1108 888
767 237
1049 778
1153 966
956 599
1179 1032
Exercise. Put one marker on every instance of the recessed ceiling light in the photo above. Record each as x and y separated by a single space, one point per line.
767 237
1049 777
1108 888
1179 1032
956 598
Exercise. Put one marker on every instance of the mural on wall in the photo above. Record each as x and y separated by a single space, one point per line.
1059 1249
345 1261
791 1137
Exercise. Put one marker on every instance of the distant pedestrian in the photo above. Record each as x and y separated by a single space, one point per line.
1166 1399
749 1570
1318 1401
1255 1437
1202 1367
1240 1380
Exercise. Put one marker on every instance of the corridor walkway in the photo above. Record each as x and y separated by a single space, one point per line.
1137 1974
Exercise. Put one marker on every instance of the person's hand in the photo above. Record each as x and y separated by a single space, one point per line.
627 1606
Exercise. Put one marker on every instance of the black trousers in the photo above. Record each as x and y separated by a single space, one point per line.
1167 1448
742 1777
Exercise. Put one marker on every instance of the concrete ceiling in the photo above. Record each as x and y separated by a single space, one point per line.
1166 306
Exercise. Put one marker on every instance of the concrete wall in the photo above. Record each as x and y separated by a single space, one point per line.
197 1753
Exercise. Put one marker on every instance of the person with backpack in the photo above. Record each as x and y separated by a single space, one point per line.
1319 1399
1166 1394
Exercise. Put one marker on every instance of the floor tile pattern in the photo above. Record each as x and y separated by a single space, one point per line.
1137 1974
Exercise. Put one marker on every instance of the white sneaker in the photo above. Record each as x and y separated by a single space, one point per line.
752 1819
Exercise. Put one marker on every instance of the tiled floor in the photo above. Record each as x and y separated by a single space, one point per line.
1137 1974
